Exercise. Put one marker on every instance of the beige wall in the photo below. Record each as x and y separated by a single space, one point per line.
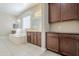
66 27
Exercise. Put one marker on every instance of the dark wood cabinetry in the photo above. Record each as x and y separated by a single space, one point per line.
77 44
29 37
67 45
52 42
63 43
54 12
38 38
78 10
34 38
63 11
77 47
68 11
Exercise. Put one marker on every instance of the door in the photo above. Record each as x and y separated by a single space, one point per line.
52 42
68 11
54 12
67 45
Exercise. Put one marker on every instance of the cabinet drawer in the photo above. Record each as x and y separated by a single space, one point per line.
51 34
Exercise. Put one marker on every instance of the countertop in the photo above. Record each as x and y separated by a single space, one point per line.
33 31
64 33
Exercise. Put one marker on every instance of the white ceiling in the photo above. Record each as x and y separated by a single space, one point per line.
14 8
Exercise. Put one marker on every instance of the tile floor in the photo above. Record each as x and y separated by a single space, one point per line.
8 48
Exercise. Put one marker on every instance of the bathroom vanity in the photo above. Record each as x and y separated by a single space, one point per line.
34 38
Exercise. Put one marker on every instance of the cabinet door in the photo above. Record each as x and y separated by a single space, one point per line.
77 45
28 37
35 39
68 11
67 45
32 37
52 42
38 37
54 12
78 10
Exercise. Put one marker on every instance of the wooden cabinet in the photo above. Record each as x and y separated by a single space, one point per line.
38 38
63 11
54 12
28 37
77 44
68 11
34 38
52 42
78 10
67 45
63 43
77 47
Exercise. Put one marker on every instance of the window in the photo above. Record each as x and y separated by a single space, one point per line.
26 22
